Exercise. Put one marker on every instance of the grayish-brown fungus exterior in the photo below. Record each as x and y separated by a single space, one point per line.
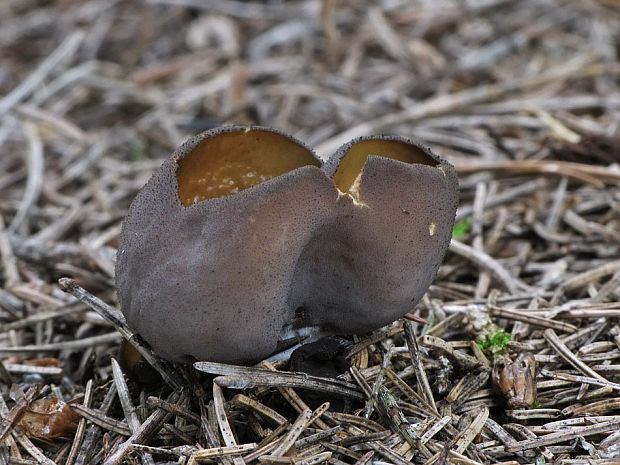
208 280
241 228
391 227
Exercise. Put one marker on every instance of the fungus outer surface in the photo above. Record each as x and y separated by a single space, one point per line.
372 265
210 282
269 231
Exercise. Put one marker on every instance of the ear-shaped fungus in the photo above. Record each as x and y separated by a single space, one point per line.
375 258
205 250
242 227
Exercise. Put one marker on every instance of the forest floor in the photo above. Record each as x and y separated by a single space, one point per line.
522 97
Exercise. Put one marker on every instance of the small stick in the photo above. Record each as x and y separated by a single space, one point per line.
356 421
171 454
9 262
371 400
65 345
316 414
591 275
414 351
63 310
445 103
486 262
115 318
265 447
374 338
175 409
296 429
410 393
365 437
100 419
66 49
35 176
567 355
599 407
215 452
610 286
470 433
533 320
222 421
81 429
149 427
437 426
209 428
123 394
128 408
261 409
396 417
93 432
366 458
361 381
439 344
291 396
503 197
388 453
315 459
562 436
590 174
467 385
580 379
317 437
243 377
32 369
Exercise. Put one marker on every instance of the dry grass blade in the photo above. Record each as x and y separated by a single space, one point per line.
532 319
35 176
487 263
414 351
81 429
65 50
9 261
472 431
581 379
564 352
263 410
293 398
69 345
563 436
595 175
296 429
130 413
216 452
222 421
146 429
239 377
102 420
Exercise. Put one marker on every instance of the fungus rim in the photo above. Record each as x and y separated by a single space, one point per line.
189 147
332 166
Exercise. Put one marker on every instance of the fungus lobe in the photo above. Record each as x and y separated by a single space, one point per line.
242 227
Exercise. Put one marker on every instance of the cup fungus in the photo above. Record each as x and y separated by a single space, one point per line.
242 235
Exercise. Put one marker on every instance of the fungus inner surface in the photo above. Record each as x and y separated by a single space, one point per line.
348 176
230 162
